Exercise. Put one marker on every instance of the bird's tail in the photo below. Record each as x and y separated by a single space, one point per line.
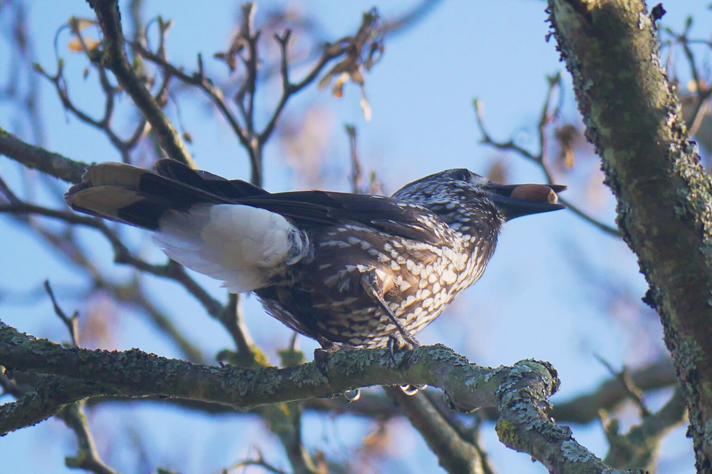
140 197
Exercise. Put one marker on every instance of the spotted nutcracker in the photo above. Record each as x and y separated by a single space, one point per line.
344 269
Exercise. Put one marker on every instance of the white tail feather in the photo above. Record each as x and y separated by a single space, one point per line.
241 245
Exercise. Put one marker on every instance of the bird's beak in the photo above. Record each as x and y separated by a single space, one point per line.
516 200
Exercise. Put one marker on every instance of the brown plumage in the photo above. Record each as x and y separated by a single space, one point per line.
344 269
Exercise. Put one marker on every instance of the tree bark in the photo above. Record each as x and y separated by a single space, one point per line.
520 393
632 115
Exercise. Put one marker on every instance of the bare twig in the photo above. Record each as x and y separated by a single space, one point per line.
703 91
539 157
455 454
73 415
409 19
626 381
134 294
355 175
104 123
640 446
249 135
585 408
259 461
88 457
71 322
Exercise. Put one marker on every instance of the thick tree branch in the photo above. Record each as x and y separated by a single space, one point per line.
581 409
114 57
632 115
520 392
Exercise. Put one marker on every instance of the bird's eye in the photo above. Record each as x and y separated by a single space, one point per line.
462 174
476 179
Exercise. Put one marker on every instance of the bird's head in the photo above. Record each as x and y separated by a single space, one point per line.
459 194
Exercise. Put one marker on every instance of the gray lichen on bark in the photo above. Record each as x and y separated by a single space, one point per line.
520 393
632 115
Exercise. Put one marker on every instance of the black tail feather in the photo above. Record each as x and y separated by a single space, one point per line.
140 197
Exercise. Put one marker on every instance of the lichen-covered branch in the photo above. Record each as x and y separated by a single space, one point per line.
633 117
520 392
525 425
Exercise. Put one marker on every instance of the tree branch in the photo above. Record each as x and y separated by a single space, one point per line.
611 393
520 392
38 158
44 400
664 196
539 157
454 453
114 57
639 447
88 457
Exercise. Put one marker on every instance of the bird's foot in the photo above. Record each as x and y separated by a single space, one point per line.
399 343
321 361
406 342
322 355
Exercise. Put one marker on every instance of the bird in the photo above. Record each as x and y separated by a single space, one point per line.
347 270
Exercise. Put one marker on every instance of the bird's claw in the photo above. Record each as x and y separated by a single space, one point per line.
405 342
411 390
400 343
321 357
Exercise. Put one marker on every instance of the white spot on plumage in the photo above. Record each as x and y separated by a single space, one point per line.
449 277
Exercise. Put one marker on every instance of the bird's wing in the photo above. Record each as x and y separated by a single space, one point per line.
229 229
318 208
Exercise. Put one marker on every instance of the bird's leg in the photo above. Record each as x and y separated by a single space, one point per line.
396 342
368 284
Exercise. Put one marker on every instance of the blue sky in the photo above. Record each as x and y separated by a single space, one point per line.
533 301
